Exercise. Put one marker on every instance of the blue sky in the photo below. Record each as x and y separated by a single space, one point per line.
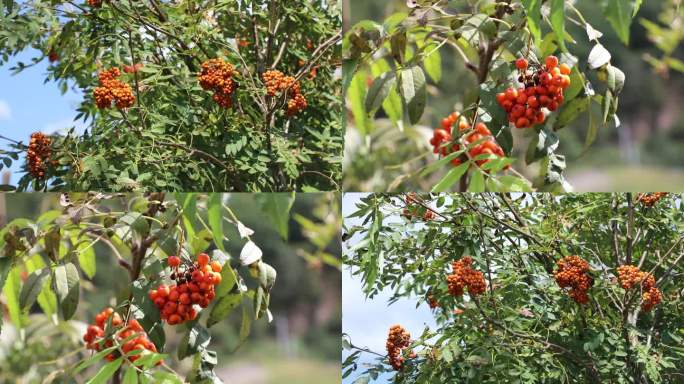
27 105
367 321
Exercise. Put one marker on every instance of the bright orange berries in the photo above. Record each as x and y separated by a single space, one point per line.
95 3
413 210
650 199
442 136
111 89
95 336
543 88
38 154
521 63
173 261
572 273
133 68
277 82
53 56
397 340
217 76
195 287
432 302
630 276
464 276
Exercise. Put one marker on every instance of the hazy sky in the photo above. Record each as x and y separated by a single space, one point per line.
367 321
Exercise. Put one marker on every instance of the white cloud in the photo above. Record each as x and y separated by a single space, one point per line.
5 111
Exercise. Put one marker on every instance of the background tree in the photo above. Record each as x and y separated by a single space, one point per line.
571 289
173 118
381 157
108 238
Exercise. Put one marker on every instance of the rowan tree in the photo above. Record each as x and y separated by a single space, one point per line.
533 288
176 277
174 94
520 73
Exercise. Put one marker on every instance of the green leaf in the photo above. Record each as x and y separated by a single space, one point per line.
398 46
534 18
195 338
131 376
67 287
476 182
348 69
570 111
32 287
413 92
223 308
451 177
11 290
378 91
200 242
86 259
189 201
137 222
96 358
619 13
277 206
357 95
228 280
557 19
215 217
392 103
433 62
106 372
246 324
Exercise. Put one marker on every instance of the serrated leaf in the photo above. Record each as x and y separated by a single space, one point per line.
32 287
67 287
106 372
534 18
557 19
570 111
619 13
195 338
413 92
277 206
451 177
433 62
223 308
215 218
378 91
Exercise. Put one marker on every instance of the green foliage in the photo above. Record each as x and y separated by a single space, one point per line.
41 259
386 86
524 325
175 137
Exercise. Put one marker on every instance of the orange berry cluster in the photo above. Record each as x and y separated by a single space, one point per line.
95 336
463 276
411 210
630 276
95 3
543 88
38 154
398 339
112 89
432 302
572 273
650 199
53 56
441 137
195 285
217 75
277 82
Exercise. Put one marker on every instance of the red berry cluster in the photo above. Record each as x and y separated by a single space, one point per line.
463 276
195 285
112 89
133 68
442 137
630 276
542 88
277 82
95 3
38 154
572 273
650 199
95 336
398 339
217 75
